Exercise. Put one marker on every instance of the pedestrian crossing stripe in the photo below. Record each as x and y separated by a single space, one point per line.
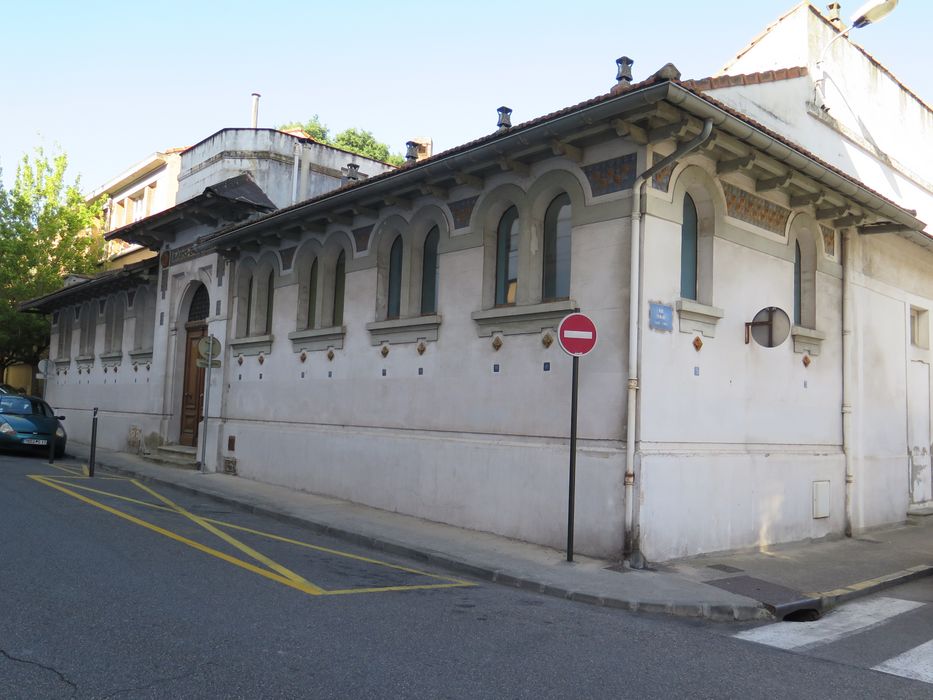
916 663
858 616
854 618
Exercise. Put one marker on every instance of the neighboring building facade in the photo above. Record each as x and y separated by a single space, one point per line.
392 342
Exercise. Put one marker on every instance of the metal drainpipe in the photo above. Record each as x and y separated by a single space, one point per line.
630 546
298 151
847 340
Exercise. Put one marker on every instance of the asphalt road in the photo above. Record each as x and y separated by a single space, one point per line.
133 591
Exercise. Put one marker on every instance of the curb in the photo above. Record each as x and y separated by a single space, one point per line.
830 599
718 613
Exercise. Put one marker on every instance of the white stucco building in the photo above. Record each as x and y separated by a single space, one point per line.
761 282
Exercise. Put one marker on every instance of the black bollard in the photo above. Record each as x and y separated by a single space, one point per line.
52 448
90 465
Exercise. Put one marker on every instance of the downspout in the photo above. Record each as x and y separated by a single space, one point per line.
630 546
847 340
295 167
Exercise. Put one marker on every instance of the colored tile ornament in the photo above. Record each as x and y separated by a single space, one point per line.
462 210
611 175
755 210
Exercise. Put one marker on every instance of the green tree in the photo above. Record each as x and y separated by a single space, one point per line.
352 139
47 229
313 127
364 143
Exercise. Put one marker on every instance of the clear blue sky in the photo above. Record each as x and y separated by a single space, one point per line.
111 83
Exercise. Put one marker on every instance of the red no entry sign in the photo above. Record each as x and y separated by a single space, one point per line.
577 334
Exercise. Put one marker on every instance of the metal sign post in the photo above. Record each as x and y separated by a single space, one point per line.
208 349
577 337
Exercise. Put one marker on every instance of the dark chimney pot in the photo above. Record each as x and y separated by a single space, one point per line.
505 119
353 172
411 151
624 71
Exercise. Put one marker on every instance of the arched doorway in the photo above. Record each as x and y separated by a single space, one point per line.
192 397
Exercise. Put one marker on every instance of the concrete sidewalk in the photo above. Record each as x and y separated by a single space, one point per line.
742 587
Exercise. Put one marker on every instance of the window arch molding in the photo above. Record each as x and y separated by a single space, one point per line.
707 198
695 307
309 285
422 224
255 292
114 317
88 330
144 303
332 286
802 236
244 292
488 213
392 279
542 193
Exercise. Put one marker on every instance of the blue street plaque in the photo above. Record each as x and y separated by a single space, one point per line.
661 317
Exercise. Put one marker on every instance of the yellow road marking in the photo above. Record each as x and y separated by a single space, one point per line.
65 469
229 539
452 582
304 587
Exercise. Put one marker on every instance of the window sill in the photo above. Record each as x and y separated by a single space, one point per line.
697 318
111 359
84 360
528 318
141 356
318 338
404 330
252 345
62 363
808 340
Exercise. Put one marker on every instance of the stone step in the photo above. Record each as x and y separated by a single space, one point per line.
175 455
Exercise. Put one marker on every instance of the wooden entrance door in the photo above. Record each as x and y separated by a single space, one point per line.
192 399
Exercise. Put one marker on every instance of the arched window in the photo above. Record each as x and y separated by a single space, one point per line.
429 272
247 301
200 307
88 329
312 296
688 250
144 330
340 281
270 295
557 230
798 287
113 325
394 296
507 257
64 334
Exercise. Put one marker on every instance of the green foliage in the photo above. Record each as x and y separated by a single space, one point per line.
313 127
46 230
352 139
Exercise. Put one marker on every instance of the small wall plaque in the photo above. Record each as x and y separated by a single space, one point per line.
660 317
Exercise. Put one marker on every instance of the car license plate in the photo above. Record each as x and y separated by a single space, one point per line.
35 441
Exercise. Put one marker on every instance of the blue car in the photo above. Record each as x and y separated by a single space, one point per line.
27 423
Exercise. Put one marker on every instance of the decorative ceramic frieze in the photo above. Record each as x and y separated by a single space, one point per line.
661 180
288 256
755 210
361 237
613 175
829 240
462 210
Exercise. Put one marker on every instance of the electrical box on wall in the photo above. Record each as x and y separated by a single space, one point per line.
820 499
